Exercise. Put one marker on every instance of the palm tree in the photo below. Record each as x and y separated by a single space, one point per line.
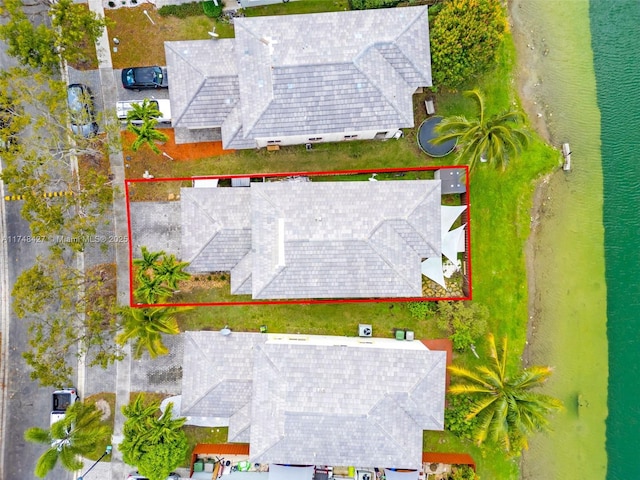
152 290
145 326
171 271
149 261
507 410
143 111
490 140
147 133
78 433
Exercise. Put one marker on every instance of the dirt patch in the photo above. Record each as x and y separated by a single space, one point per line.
104 408
205 282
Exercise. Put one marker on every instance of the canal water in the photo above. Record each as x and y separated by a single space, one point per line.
615 35
568 294
582 72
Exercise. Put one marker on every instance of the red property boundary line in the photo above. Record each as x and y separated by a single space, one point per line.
467 212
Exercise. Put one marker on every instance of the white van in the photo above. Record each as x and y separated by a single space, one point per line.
164 106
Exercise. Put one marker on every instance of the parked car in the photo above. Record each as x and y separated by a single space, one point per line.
61 400
138 78
163 106
80 101
136 476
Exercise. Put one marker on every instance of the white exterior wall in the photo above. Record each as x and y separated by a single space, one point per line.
325 137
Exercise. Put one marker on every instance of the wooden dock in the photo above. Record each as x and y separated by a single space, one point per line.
566 153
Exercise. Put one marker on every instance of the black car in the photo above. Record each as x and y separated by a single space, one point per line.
138 78
80 101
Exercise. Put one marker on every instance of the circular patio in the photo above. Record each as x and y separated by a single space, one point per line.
427 132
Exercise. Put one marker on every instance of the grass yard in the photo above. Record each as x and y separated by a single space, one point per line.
297 7
196 435
105 402
142 44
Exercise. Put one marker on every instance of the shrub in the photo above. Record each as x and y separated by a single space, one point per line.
464 321
462 472
455 416
212 10
421 310
185 10
365 4
465 36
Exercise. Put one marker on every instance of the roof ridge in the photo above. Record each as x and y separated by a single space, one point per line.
374 84
383 258
196 345
191 65
388 397
433 186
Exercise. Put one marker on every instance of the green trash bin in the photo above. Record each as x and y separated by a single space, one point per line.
399 334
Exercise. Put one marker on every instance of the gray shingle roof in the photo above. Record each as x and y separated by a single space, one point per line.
303 74
343 239
204 82
314 239
216 228
345 405
217 373
317 400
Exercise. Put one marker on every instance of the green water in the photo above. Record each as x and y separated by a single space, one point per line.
615 27
570 318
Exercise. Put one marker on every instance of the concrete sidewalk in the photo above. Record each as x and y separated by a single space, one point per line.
116 469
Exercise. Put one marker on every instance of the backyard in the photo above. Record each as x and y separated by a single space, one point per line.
500 224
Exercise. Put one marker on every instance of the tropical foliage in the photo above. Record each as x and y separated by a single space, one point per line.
465 322
146 110
492 140
158 275
154 443
77 434
365 4
465 36
507 409
147 134
145 327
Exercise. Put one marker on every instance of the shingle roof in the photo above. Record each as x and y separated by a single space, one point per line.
343 239
318 400
216 228
204 82
217 373
303 74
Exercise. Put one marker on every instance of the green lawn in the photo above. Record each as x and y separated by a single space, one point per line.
290 8
196 435
103 400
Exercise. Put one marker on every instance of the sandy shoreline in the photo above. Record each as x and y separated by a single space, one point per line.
532 103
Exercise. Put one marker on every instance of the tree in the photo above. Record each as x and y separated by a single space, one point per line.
145 327
147 134
506 408
158 275
465 36
489 140
42 47
465 322
171 271
46 161
147 110
70 311
155 444
78 433
75 26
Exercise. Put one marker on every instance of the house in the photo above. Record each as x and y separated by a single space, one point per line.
316 400
301 240
298 79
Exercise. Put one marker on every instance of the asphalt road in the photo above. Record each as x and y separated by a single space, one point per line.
28 404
